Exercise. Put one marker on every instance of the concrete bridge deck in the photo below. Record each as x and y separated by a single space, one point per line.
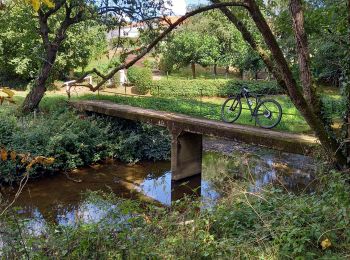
187 133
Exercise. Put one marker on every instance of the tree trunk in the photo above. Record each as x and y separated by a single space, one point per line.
215 70
227 69
33 98
256 75
35 95
347 90
329 143
193 68
301 40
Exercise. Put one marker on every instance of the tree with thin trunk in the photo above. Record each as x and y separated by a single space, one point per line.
346 88
306 101
74 12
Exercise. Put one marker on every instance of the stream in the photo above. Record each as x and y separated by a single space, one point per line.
60 199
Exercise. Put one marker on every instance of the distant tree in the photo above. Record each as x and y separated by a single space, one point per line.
250 61
230 45
191 48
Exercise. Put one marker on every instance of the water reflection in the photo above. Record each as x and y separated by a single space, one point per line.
260 166
59 200
166 191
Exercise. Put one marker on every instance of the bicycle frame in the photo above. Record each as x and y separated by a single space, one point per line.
246 95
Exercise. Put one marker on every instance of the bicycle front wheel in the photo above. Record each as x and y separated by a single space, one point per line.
231 109
268 113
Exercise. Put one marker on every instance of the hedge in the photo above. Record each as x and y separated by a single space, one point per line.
211 87
141 78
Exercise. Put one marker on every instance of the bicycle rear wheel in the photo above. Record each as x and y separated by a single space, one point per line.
268 113
231 109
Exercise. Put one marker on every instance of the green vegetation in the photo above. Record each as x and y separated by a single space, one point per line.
141 78
205 40
75 140
272 224
190 48
211 88
201 73
209 108
21 51
302 42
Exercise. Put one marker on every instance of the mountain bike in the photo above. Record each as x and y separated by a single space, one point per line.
267 112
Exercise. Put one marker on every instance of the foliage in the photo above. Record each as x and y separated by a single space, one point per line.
251 62
37 3
326 26
190 48
8 95
222 45
269 225
141 78
76 141
21 50
211 88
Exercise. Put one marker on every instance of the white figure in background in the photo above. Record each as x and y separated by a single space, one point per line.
122 77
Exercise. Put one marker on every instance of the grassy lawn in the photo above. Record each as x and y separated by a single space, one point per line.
209 108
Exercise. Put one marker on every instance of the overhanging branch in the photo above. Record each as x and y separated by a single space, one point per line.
147 49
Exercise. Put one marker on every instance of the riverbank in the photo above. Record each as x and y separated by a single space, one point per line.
271 224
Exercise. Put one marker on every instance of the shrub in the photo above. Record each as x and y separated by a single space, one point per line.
76 141
151 64
217 87
141 78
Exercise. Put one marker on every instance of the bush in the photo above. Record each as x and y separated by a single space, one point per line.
150 63
141 78
210 88
76 141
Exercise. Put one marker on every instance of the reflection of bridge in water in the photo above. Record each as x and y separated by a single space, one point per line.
187 133
42 202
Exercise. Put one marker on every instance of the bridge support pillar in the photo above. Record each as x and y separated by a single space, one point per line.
186 154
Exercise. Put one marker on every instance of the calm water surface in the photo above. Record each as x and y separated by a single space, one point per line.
60 199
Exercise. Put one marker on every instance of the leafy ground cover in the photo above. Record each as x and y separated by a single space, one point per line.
272 224
74 140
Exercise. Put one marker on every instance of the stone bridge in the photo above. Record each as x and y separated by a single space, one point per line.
187 133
